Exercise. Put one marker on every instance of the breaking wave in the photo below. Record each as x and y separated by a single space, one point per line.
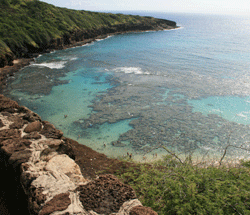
51 65
130 70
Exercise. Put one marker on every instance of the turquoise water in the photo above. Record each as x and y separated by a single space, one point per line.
187 89
234 109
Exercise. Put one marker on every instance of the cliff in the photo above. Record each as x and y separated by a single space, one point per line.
31 26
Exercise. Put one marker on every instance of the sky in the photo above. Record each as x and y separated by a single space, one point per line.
237 7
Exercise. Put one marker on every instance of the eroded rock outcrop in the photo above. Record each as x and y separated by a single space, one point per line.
52 182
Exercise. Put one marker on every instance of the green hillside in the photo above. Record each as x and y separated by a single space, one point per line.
30 26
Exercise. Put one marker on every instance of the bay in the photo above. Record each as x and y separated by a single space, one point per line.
187 89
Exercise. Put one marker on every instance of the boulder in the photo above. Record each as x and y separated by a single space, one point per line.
63 164
50 131
34 126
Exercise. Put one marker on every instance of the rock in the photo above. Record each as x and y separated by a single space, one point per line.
105 195
34 126
66 148
65 165
76 206
70 144
48 154
1 123
9 134
50 131
4 113
47 151
33 135
52 143
27 176
7 104
29 115
53 183
17 124
13 145
36 199
140 210
59 203
17 158
128 206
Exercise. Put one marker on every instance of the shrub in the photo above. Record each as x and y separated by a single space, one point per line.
170 187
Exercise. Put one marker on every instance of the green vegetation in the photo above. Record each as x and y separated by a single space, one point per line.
28 26
170 187
5 52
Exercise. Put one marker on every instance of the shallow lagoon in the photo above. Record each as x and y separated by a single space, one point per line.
236 109
134 92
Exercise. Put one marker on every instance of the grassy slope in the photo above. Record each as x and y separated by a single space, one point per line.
31 25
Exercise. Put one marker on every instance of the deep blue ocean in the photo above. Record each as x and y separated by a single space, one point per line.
187 89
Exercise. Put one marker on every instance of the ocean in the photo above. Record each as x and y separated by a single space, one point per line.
186 89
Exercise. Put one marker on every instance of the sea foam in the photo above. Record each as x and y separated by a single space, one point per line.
103 38
128 70
241 115
51 65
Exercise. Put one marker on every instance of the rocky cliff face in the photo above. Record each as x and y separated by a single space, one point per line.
41 167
